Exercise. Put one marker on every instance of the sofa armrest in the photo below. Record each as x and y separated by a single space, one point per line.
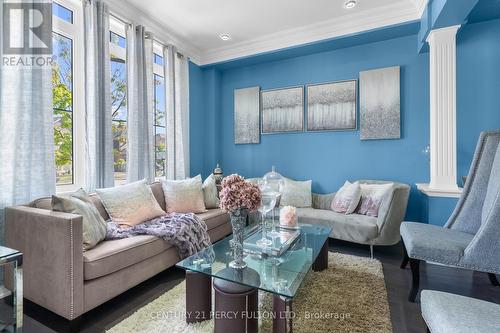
391 214
322 201
52 247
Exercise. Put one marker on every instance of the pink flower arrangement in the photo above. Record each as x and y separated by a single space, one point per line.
237 193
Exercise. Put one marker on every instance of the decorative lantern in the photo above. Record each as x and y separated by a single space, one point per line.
218 175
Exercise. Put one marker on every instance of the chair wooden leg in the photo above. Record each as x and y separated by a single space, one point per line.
493 279
415 273
405 258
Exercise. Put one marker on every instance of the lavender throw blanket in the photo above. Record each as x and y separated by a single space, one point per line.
187 232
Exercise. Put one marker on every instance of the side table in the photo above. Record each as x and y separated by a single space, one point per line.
11 261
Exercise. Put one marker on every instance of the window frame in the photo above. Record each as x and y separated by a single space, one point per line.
118 27
74 31
160 71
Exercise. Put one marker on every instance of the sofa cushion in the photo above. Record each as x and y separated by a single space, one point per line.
46 202
184 196
353 227
112 255
79 203
130 204
347 198
214 218
444 312
296 193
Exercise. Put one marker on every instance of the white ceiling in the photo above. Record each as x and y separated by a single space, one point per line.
257 26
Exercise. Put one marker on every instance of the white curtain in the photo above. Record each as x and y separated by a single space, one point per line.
140 101
27 167
99 169
177 95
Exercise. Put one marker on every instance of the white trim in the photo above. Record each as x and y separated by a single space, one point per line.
425 189
75 32
349 24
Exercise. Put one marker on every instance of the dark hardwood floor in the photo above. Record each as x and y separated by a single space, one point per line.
405 315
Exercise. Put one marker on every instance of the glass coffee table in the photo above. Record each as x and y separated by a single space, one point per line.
236 290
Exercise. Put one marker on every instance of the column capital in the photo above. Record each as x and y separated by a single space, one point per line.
443 34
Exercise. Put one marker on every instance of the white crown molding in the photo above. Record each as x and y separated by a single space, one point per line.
420 6
349 24
130 13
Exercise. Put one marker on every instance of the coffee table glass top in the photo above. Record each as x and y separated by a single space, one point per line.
281 275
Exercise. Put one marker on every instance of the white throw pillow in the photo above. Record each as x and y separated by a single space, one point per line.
184 196
371 198
296 193
347 198
79 202
210 193
130 204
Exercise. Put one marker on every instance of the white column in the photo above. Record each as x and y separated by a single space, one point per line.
443 123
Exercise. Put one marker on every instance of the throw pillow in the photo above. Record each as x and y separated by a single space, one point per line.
130 204
210 193
296 193
347 198
94 226
371 198
184 196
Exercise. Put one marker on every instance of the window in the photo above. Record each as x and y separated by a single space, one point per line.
118 65
160 139
62 98
67 89
62 12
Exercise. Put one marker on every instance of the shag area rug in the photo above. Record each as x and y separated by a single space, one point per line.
350 296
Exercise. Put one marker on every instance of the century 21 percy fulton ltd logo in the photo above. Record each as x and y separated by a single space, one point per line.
27 33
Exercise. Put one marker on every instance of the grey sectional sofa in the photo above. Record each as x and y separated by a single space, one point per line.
59 276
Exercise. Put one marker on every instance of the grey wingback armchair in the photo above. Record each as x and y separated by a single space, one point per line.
471 237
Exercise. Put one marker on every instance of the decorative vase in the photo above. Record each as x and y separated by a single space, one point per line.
238 224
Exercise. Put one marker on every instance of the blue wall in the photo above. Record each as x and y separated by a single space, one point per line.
196 119
329 158
478 87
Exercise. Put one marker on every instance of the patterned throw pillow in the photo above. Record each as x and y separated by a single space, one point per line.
130 204
184 196
371 198
210 193
296 193
347 198
94 226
